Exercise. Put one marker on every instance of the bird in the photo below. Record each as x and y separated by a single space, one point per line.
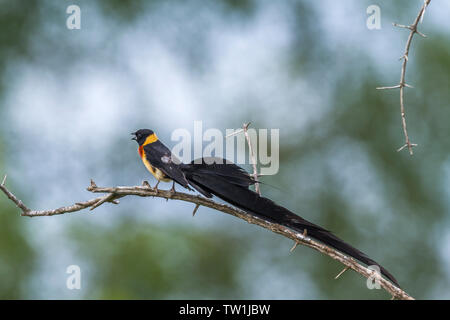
218 177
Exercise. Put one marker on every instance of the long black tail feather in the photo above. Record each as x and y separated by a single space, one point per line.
230 183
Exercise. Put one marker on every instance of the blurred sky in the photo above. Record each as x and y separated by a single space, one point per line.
68 108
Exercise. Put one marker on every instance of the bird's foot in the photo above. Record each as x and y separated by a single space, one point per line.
172 190
155 188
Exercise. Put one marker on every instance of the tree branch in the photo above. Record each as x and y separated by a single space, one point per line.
252 155
403 84
114 193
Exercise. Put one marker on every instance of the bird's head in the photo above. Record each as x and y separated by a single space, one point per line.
142 135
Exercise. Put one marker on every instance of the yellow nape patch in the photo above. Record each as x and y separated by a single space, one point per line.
150 139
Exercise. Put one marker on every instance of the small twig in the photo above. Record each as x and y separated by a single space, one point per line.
255 174
401 26
296 243
304 234
388 88
107 198
252 155
234 133
340 273
406 145
413 28
146 184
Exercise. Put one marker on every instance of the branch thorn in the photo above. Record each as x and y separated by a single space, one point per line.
195 209
296 243
402 84
409 145
340 273
234 133
421 34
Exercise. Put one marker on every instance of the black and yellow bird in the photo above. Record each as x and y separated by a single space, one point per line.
158 159
218 177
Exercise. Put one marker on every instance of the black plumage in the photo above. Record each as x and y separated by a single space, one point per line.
160 157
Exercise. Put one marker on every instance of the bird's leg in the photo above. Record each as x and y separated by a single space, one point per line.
155 188
172 190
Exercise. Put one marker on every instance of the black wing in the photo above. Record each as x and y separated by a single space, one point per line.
161 158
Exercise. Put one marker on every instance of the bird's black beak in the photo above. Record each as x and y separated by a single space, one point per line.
134 138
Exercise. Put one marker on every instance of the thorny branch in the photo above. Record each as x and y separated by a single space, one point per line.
413 30
114 193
